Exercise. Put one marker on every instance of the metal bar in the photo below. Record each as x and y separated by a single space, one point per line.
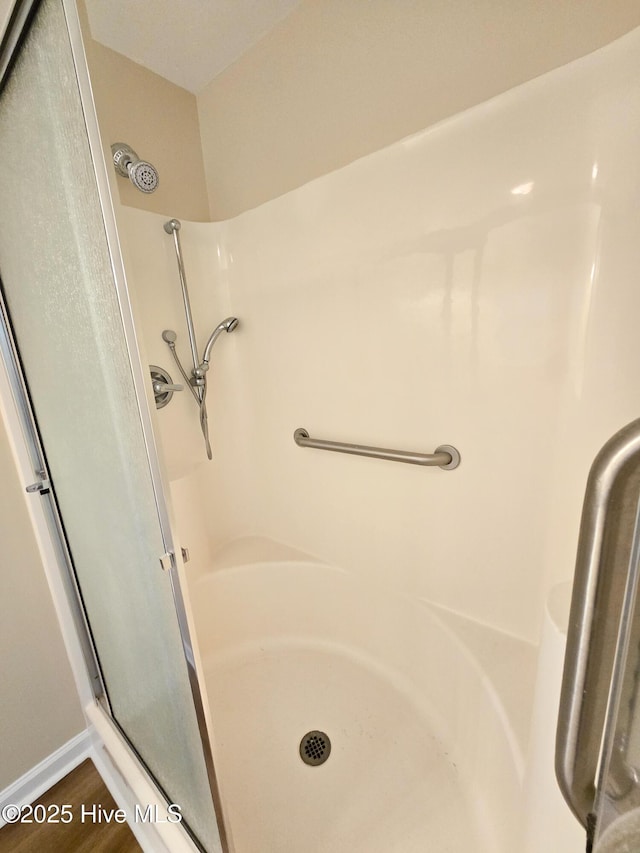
445 456
617 777
198 384
602 565
173 227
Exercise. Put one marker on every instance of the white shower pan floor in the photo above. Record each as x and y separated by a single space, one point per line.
388 785
423 756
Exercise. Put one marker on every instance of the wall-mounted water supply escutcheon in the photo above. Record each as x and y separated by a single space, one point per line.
163 385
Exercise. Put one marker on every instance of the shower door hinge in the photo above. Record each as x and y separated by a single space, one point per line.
167 561
43 485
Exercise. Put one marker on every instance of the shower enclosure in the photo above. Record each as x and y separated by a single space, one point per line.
362 634
475 285
70 350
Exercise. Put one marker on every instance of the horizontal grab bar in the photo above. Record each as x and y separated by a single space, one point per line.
445 456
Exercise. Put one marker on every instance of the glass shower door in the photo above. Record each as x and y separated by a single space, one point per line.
69 317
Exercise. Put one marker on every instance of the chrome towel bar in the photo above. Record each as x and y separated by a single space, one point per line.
445 456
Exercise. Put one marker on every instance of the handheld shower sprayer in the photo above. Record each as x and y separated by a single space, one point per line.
142 175
199 370
227 325
197 382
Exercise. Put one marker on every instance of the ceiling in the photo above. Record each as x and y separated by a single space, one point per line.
186 41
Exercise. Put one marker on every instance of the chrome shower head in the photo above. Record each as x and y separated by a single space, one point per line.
227 325
170 337
142 175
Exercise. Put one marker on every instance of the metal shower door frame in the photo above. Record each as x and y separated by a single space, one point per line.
19 392
10 44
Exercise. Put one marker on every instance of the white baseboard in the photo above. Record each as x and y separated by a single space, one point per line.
129 785
122 774
44 775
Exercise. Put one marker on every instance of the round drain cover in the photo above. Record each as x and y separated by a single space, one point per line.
315 748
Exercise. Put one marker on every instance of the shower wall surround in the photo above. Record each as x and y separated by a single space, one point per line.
475 285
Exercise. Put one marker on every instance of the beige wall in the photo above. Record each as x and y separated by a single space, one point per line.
338 79
159 120
39 706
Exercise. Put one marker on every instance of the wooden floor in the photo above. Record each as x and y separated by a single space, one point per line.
82 787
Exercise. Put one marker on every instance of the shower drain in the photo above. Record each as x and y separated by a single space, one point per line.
315 748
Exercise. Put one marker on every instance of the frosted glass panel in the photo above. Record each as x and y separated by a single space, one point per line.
58 286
